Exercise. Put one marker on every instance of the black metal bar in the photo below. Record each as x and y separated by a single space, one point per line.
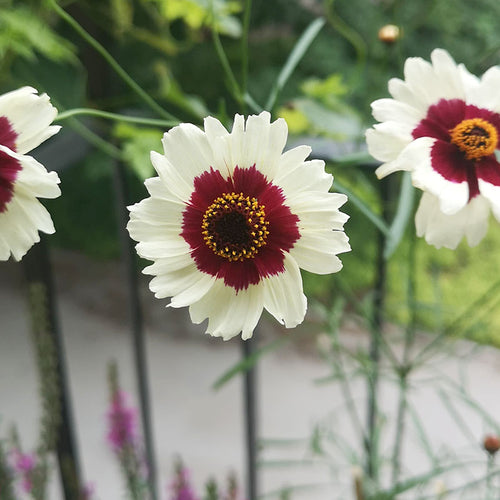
376 331
39 276
250 418
135 312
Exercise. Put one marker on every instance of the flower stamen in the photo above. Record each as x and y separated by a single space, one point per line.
234 226
475 137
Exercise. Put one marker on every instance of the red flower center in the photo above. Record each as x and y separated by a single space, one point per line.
238 228
9 167
466 140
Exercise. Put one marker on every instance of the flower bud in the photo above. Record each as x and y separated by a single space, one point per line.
491 443
389 34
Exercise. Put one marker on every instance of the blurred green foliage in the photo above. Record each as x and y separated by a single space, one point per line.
166 46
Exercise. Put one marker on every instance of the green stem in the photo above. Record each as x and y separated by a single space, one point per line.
405 368
70 113
490 465
345 386
112 62
234 88
96 140
244 51
352 36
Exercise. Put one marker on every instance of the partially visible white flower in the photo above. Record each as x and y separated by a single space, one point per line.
231 219
443 125
25 122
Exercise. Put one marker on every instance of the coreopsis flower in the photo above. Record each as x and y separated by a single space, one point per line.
231 219
25 122
443 126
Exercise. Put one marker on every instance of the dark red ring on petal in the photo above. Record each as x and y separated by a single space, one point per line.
9 167
282 227
446 158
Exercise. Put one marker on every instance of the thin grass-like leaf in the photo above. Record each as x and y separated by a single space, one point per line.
402 217
363 208
293 60
249 362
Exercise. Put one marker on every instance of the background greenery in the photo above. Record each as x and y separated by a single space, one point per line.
166 46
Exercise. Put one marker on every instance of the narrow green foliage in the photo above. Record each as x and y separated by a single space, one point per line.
211 490
24 34
6 477
47 368
293 60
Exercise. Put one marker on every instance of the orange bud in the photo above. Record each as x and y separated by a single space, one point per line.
389 33
491 443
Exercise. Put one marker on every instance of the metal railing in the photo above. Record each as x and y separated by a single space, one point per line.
64 152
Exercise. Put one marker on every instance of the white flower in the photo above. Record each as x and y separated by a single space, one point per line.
231 219
25 119
443 125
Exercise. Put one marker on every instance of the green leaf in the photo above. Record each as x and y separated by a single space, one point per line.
293 60
138 142
363 208
402 217
342 126
324 88
247 363
24 33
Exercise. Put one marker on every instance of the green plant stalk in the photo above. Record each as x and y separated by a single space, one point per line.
344 382
244 52
352 36
490 465
371 440
473 311
295 56
49 388
71 113
406 366
132 84
96 140
6 476
234 88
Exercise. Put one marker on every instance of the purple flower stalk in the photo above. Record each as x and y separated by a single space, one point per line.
181 487
122 420
24 464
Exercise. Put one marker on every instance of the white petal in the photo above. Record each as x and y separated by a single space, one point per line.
406 116
492 194
214 128
156 249
443 230
485 94
449 75
430 83
318 210
187 148
19 226
400 91
296 175
33 178
386 141
176 282
172 177
30 116
316 251
158 211
283 296
228 312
